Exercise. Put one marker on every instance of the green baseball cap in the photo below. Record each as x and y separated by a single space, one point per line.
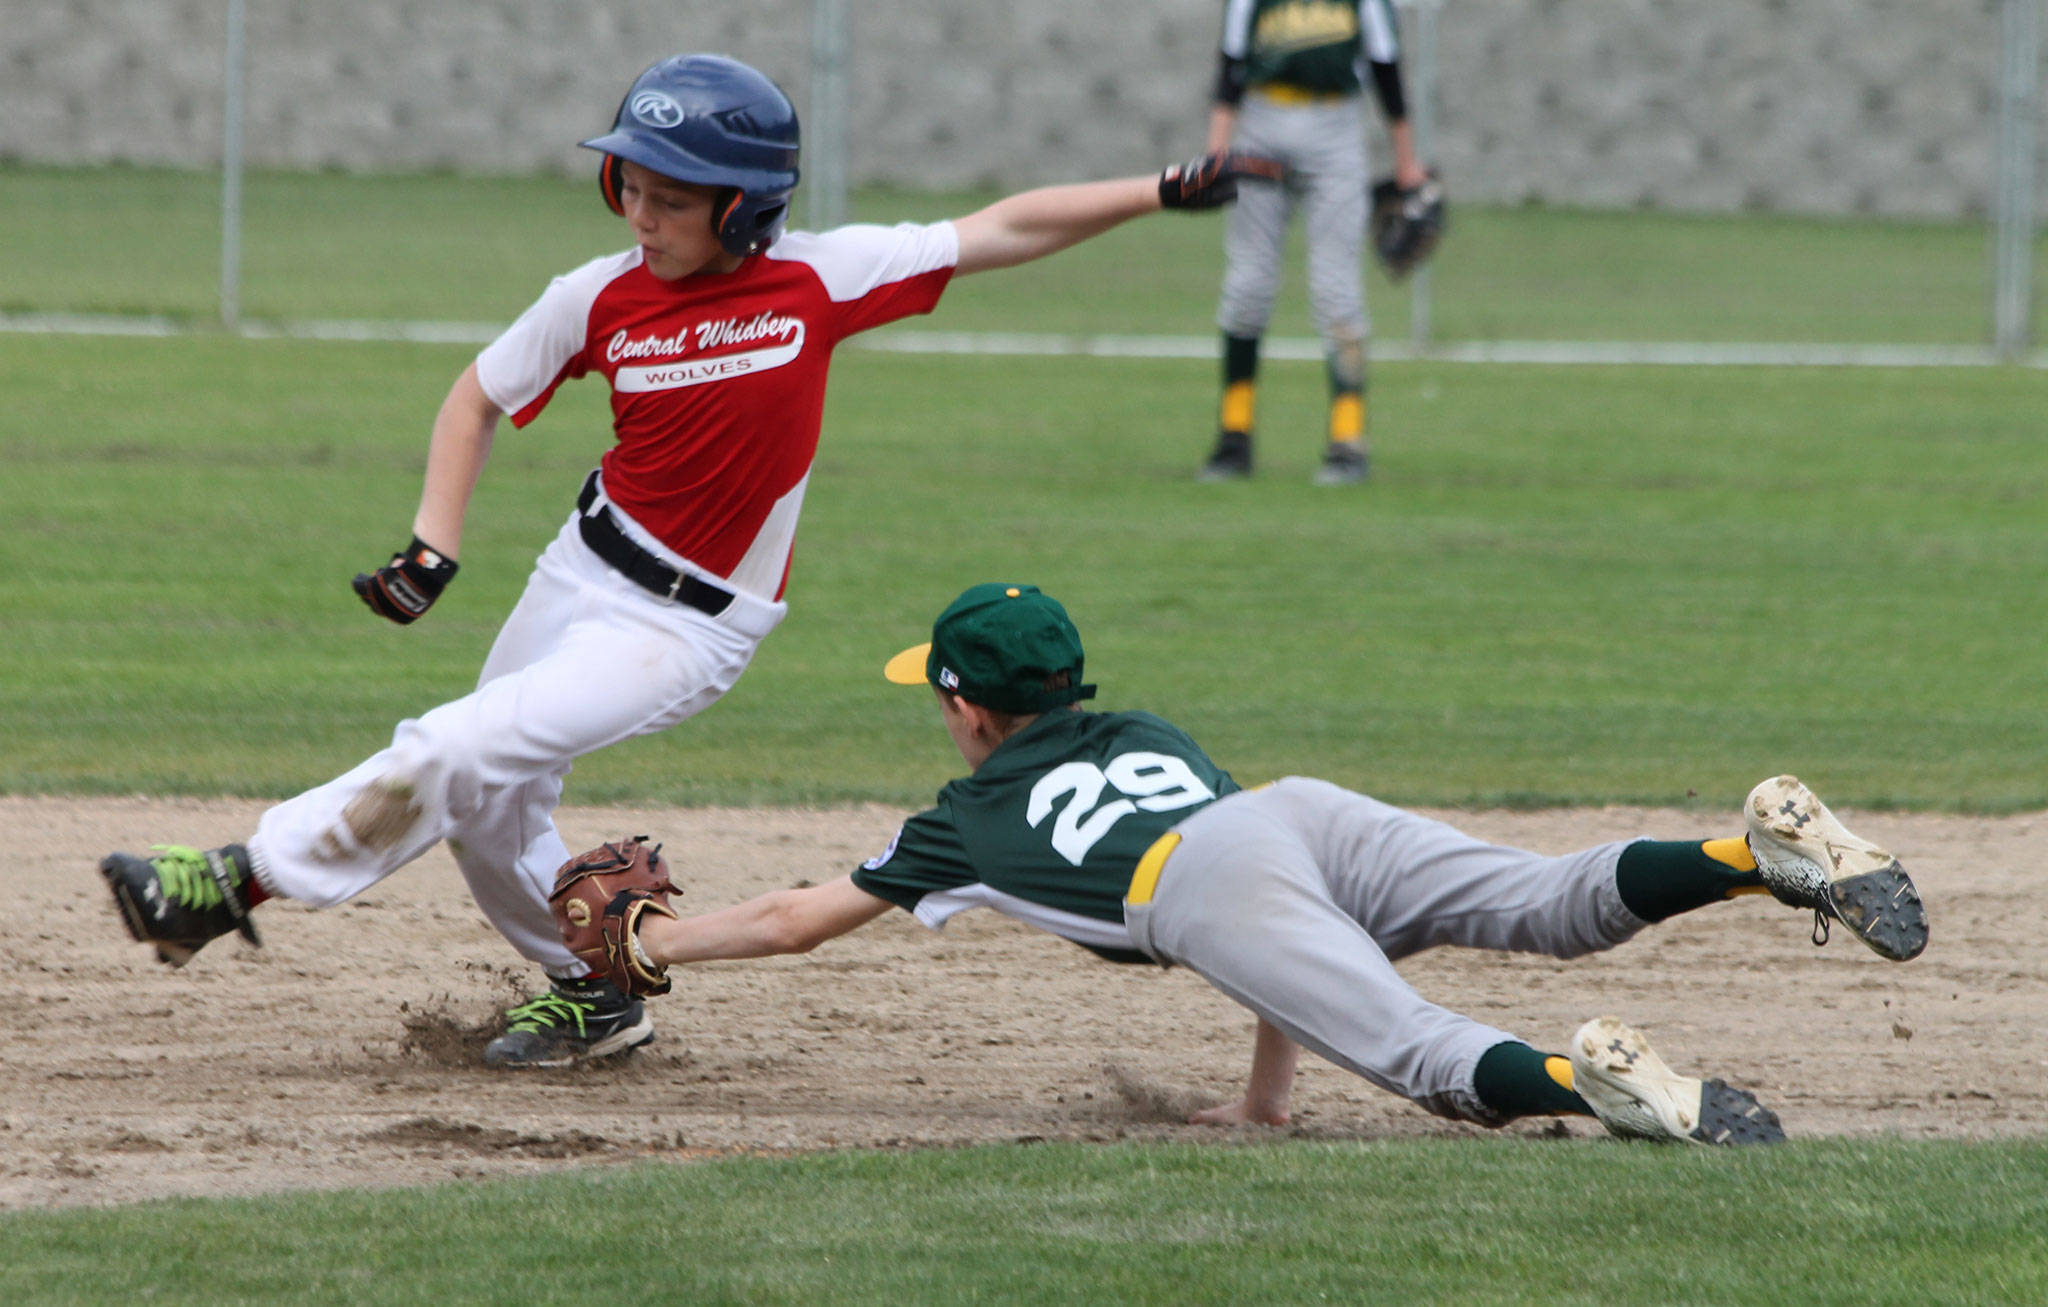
997 645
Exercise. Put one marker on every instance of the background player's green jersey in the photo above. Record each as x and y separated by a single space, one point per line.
1314 45
1049 828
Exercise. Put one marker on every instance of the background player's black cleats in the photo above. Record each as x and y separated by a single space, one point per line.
1232 459
179 899
1808 859
575 1021
1345 463
1636 1096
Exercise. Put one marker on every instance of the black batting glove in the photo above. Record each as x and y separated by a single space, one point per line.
1211 181
409 584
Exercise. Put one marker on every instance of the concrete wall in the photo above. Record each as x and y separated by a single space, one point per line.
1874 106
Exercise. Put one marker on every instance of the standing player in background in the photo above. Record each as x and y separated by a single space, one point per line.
1291 88
714 332
1116 831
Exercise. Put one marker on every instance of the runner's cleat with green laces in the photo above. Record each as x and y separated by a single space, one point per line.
180 898
575 1021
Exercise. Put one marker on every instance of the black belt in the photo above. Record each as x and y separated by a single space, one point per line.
601 532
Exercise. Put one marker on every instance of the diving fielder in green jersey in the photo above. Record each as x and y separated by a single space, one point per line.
1116 831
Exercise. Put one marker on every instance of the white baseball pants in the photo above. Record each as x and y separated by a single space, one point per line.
586 659
1296 900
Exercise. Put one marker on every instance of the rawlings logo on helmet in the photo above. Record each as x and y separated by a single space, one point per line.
656 108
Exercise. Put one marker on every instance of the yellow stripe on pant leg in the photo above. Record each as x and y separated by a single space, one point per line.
1145 880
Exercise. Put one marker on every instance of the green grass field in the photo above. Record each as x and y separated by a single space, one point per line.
479 249
1441 1222
1566 585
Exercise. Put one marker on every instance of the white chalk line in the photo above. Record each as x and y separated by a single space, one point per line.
1025 344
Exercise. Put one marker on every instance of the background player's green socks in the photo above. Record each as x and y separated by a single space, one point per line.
1240 358
1661 878
1240 383
1515 1080
1347 392
1347 417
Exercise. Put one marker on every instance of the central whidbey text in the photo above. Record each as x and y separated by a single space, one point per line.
709 335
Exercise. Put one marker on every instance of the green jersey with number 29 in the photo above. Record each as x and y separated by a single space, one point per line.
1050 827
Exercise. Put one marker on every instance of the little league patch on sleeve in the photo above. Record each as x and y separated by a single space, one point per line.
875 863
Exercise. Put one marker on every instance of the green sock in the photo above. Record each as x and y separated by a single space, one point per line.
1515 1080
1240 358
1661 878
1345 362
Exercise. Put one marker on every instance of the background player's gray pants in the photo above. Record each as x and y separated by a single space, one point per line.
1296 900
1323 146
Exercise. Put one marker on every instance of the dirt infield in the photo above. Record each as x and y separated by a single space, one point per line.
345 1052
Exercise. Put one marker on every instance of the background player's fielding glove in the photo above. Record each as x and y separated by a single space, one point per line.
409 584
598 900
1406 224
1211 181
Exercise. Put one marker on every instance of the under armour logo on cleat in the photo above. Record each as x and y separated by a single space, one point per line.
1791 810
1628 1054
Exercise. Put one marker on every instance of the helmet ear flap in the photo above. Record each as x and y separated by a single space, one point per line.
611 182
723 223
740 228
744 226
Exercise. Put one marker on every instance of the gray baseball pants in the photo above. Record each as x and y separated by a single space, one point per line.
1297 899
1327 179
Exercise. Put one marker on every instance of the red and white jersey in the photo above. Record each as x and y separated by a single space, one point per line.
718 382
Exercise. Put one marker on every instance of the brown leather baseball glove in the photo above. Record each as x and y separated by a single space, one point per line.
598 900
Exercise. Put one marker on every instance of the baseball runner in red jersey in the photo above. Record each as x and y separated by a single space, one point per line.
714 332
1296 899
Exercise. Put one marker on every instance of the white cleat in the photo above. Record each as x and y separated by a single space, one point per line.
1810 860
1637 1097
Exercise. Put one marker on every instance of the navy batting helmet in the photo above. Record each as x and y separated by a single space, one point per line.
714 121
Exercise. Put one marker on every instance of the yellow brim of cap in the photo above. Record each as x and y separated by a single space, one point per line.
907 668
